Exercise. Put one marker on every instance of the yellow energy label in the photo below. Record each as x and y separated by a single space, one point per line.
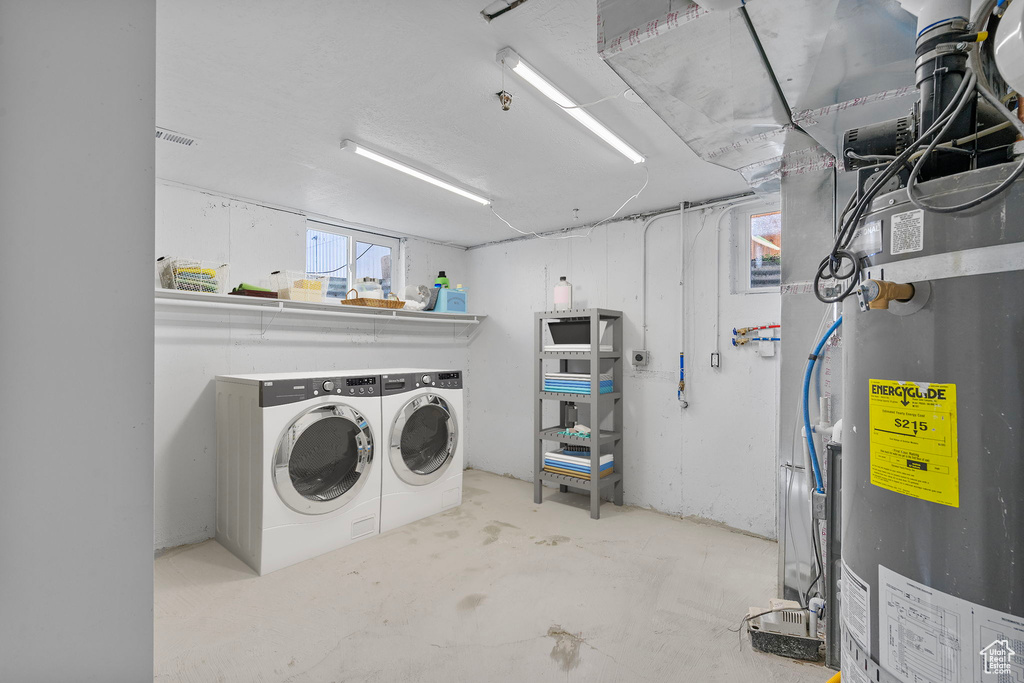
913 439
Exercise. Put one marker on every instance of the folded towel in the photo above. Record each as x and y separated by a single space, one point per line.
245 286
576 458
574 468
573 473
201 272
308 284
576 376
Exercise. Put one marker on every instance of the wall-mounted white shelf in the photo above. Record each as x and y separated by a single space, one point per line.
464 325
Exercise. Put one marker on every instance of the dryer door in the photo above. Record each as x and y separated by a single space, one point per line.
423 439
323 459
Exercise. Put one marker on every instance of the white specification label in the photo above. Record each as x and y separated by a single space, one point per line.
855 607
906 232
927 636
851 672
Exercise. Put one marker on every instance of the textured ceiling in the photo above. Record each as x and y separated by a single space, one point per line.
270 88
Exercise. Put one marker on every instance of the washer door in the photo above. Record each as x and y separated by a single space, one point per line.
423 439
323 459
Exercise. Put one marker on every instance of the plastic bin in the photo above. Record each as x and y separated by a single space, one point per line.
296 285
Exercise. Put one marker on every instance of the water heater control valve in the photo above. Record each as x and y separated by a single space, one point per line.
876 294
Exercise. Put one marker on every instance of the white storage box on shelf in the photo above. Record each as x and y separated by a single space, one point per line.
298 286
190 275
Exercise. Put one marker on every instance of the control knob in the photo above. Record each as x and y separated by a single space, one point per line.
426 379
328 385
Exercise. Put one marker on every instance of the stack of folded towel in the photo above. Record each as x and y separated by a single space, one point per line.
574 383
576 464
196 279
337 287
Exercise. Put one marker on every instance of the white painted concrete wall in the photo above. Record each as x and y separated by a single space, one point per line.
699 461
76 340
194 346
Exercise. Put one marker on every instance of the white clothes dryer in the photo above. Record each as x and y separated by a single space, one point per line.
298 464
422 412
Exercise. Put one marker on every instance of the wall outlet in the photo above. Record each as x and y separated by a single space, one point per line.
639 358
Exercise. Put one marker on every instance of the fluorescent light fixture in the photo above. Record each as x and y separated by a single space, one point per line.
763 242
364 151
512 60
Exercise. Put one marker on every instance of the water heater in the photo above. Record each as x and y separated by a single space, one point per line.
932 584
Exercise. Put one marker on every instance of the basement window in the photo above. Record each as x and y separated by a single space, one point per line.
765 250
344 255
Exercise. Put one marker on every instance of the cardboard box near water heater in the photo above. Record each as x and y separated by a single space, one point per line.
451 301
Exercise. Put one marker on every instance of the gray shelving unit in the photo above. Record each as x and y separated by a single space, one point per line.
601 405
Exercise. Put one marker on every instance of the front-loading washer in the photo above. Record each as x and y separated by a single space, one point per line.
298 464
422 411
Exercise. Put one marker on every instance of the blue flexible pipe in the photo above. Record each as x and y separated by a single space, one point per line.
819 484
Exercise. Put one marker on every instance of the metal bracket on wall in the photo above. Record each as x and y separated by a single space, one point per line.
376 332
278 309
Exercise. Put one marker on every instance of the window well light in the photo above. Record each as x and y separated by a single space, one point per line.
512 60
364 151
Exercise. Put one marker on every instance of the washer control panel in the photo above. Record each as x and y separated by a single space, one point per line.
401 383
282 392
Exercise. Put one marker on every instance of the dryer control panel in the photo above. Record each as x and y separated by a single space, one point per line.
439 379
282 392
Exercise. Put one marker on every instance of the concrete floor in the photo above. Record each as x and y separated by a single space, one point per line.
499 589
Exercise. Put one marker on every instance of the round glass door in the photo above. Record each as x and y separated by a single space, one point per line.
322 459
423 440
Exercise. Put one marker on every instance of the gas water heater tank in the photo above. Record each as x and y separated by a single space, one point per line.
932 586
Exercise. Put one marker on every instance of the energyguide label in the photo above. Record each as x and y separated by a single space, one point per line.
913 439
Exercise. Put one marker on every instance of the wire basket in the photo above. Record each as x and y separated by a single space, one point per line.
391 302
190 275
296 285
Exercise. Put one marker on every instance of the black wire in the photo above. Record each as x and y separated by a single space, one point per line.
328 272
847 229
817 557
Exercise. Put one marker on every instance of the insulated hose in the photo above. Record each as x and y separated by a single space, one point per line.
819 484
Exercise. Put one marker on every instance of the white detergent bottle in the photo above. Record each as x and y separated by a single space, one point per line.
563 295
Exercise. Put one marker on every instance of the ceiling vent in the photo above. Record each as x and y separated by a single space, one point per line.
176 138
499 7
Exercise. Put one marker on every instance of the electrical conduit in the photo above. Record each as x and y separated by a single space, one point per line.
819 484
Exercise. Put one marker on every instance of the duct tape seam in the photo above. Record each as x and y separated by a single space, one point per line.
652 29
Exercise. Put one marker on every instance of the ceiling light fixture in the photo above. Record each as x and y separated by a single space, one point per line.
512 60
368 153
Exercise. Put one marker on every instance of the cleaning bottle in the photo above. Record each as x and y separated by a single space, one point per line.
442 280
563 295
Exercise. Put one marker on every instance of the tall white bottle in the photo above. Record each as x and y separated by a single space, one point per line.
563 295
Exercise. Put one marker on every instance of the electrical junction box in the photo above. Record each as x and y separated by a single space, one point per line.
639 358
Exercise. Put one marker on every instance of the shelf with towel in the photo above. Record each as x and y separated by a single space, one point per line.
557 434
463 325
575 365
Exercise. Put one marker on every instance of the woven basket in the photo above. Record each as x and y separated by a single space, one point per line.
392 302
